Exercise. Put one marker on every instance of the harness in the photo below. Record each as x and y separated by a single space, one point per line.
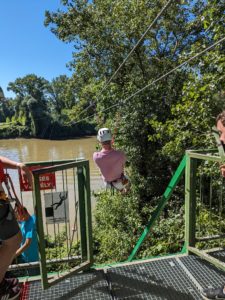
123 180
6 179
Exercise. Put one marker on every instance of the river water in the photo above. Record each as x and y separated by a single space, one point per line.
33 150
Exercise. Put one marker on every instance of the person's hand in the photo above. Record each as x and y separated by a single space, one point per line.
25 174
222 170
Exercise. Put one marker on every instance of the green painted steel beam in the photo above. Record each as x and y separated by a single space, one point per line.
66 274
204 255
88 213
190 200
40 231
60 167
165 197
53 162
207 157
82 210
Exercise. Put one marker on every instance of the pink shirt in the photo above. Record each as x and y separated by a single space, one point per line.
111 163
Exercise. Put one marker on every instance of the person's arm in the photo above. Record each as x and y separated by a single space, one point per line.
96 158
24 247
25 172
8 163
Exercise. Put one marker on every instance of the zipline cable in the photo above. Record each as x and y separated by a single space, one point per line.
132 50
138 43
156 80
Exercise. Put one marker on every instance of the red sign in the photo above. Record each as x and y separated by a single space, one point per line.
46 181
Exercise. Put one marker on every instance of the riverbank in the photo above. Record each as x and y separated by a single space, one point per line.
54 131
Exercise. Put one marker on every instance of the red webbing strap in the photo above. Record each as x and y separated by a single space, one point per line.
19 209
2 173
25 291
13 189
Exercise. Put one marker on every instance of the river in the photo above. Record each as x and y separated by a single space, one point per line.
33 150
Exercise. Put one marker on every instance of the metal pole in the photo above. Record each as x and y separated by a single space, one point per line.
88 212
81 191
40 231
190 200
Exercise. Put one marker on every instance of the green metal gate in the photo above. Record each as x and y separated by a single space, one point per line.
63 211
204 206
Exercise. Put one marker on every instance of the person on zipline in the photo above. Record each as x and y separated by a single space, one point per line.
111 162
10 235
218 293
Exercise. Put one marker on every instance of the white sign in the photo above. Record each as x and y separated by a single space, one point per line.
56 207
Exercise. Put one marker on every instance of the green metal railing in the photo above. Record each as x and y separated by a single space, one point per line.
71 253
203 195
200 211
191 164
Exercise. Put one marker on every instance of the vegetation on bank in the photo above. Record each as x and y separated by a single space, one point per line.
155 126
41 109
54 130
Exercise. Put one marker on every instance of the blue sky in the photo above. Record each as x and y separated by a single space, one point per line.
27 46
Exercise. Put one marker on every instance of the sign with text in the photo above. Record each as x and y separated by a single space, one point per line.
46 181
56 207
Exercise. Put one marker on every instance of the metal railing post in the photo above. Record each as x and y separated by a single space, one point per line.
190 200
82 210
88 212
40 231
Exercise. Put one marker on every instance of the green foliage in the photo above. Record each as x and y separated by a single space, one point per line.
156 126
167 236
61 94
12 130
211 223
116 225
103 40
57 248
193 115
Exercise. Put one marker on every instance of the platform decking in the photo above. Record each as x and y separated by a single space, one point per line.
171 278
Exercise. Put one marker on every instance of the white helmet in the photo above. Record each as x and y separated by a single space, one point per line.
104 134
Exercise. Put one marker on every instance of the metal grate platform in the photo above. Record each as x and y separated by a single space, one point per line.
204 273
176 278
220 254
85 286
161 279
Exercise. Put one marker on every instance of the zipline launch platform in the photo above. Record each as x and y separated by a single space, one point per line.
180 277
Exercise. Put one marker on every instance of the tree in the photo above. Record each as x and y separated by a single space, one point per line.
157 125
193 115
6 109
104 32
61 94
31 102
